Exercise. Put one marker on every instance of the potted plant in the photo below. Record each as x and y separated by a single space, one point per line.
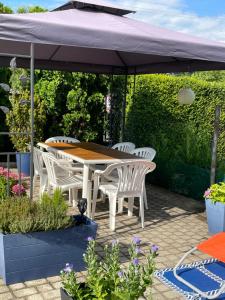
38 237
18 118
18 121
106 279
215 207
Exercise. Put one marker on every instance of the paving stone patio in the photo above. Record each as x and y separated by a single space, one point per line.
173 222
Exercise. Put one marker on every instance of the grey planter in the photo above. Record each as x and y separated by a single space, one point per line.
215 216
64 295
41 254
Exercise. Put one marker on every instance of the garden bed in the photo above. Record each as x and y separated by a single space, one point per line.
36 255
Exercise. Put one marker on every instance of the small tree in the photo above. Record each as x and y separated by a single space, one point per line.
18 118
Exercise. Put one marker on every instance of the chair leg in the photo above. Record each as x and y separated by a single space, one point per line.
70 196
43 184
103 197
75 196
145 198
35 179
49 189
89 199
130 206
112 213
142 211
95 194
120 205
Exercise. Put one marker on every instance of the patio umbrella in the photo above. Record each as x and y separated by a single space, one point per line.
94 36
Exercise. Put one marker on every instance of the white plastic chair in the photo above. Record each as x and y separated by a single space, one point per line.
68 163
39 169
62 139
145 152
131 178
149 154
124 147
65 183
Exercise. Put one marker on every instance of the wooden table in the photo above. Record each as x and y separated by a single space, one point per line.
88 154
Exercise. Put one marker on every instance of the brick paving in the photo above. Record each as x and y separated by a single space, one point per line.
173 222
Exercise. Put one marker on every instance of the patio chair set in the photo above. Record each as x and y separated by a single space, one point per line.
118 173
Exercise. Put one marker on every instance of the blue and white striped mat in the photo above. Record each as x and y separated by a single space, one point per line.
206 275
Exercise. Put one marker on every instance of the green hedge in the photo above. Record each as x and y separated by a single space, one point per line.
181 135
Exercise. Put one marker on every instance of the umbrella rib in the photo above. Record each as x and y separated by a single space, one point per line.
121 59
54 52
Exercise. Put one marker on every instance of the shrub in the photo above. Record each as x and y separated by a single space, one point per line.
75 103
20 215
105 277
181 135
10 180
216 193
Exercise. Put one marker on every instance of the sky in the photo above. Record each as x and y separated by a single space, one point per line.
204 18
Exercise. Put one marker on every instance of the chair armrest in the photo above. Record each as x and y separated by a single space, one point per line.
69 165
98 173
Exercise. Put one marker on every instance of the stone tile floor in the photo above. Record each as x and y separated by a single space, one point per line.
173 222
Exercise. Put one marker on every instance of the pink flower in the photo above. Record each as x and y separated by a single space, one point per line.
207 193
18 189
13 176
1 170
5 173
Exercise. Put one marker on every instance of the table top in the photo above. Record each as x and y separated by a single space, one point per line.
89 153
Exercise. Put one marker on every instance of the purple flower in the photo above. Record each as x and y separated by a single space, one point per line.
68 268
154 248
136 261
90 238
138 250
120 274
114 242
136 240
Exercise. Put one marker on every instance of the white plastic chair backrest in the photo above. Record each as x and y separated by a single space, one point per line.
62 139
38 161
131 176
125 147
145 152
51 164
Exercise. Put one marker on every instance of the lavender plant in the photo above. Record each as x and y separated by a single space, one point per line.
106 279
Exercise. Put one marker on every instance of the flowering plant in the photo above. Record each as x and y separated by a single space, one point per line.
106 279
10 180
216 193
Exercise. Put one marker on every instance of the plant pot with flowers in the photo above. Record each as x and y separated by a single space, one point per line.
215 207
37 238
106 278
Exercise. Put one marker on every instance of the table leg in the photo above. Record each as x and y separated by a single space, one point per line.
85 181
86 192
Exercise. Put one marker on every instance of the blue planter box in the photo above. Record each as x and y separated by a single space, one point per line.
23 163
215 216
41 254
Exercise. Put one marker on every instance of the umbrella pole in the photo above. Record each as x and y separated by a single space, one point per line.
214 144
31 117
124 109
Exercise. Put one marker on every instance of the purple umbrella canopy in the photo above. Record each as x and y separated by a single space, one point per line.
94 36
